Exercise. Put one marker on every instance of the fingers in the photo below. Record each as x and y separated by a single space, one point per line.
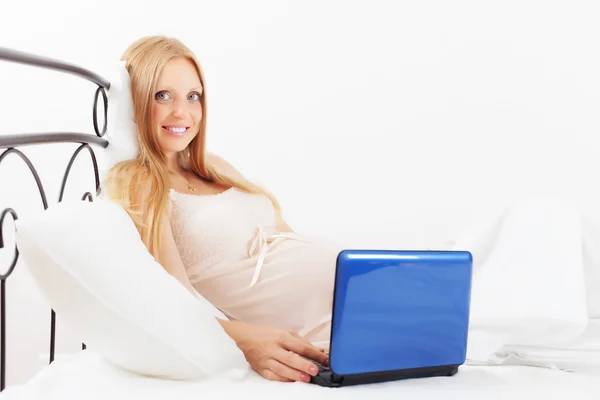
272 376
304 348
287 358
282 371
324 351
296 362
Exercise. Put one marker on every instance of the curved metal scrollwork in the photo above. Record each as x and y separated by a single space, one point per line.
12 212
15 258
9 142
87 196
36 60
3 278
38 181
70 165
101 91
16 255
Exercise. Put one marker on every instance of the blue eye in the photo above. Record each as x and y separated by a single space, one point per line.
161 96
194 96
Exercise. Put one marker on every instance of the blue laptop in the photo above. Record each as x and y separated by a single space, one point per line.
398 315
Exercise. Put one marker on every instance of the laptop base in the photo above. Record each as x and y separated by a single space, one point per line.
328 378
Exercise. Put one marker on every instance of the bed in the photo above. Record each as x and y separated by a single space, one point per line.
86 374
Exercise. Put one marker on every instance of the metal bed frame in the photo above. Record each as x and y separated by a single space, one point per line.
9 144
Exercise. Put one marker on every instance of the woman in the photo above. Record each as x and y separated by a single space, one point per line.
212 229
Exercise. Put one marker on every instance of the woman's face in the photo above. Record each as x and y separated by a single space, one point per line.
177 107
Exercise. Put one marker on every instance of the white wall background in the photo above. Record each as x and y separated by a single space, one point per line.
376 123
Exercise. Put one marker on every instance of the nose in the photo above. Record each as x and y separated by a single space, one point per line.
179 109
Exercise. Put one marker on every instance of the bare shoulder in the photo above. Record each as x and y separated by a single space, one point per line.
219 162
223 166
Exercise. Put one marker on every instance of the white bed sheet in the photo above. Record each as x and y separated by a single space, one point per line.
86 376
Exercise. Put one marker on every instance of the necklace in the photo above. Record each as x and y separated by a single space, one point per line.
190 187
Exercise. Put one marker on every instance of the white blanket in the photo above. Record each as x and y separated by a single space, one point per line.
530 273
532 287
86 376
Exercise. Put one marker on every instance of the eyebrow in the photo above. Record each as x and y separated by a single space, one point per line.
198 88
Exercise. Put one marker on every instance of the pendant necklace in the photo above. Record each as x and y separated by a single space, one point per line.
190 187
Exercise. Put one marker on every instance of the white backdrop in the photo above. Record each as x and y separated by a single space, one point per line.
376 123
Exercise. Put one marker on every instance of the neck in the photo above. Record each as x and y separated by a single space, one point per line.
173 164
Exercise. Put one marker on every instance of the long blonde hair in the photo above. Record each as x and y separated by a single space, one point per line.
141 185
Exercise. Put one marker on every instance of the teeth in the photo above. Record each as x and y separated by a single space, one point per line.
176 130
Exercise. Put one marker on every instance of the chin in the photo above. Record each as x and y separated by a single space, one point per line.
170 148
175 144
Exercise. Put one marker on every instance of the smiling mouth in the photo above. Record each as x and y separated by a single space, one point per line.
176 130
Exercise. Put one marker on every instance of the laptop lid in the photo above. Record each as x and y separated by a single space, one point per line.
397 310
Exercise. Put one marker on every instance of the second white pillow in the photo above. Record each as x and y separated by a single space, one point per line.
91 265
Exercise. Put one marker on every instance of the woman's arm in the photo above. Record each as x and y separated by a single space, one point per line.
274 353
170 258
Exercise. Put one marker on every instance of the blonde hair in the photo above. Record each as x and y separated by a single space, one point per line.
141 185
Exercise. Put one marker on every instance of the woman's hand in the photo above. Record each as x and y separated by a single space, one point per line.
274 353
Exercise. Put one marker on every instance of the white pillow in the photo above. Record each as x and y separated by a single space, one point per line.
91 265
121 131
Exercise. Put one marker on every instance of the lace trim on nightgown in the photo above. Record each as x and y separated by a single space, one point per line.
211 245
201 253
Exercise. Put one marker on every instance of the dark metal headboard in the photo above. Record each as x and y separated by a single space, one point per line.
9 144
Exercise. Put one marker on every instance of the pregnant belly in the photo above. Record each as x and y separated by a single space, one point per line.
294 289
